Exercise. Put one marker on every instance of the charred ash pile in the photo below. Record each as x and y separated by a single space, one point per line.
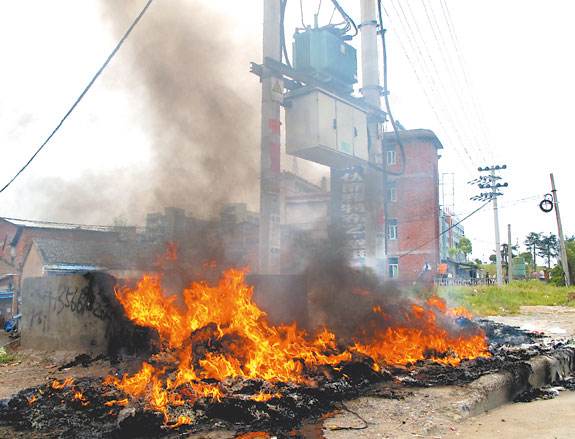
219 363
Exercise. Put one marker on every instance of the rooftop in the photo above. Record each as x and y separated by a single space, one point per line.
68 255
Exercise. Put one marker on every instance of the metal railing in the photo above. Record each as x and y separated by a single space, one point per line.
448 282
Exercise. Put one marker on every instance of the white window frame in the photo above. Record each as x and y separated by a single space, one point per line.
393 270
392 232
392 194
391 157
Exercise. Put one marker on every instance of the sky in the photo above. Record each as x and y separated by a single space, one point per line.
494 82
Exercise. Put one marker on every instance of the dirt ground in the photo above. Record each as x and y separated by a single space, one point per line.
433 416
425 413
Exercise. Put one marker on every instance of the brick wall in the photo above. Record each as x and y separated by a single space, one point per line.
416 209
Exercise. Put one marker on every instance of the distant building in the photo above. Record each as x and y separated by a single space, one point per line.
412 198
16 237
123 260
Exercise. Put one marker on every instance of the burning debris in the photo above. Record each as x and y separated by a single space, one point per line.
219 362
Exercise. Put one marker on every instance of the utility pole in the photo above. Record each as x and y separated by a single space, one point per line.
371 91
270 169
491 182
564 261
497 239
509 255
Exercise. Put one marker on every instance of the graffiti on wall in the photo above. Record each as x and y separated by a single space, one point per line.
47 305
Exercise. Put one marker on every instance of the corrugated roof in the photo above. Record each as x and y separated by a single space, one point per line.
98 254
54 225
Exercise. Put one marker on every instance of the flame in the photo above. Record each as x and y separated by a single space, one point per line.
264 397
220 333
32 399
57 385
79 396
118 402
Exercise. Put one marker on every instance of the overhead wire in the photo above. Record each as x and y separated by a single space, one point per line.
284 52
442 90
427 90
462 63
302 14
454 80
81 96
386 97
444 232
411 27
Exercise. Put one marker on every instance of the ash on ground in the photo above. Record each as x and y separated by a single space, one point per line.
86 408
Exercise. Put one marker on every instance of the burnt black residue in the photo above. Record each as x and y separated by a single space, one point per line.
124 337
56 410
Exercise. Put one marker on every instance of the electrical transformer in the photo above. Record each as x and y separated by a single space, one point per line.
322 53
326 129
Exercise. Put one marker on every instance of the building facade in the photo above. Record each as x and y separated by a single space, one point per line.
411 212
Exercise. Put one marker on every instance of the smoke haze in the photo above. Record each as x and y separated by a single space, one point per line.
181 64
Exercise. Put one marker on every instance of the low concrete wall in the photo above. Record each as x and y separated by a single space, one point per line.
63 313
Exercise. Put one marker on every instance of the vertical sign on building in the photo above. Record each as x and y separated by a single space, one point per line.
350 211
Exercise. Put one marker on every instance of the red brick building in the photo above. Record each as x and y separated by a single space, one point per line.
412 205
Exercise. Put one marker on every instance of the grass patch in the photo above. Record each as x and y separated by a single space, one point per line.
507 299
6 357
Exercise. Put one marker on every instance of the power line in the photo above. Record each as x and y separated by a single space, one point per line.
448 18
429 84
412 28
444 53
86 89
445 231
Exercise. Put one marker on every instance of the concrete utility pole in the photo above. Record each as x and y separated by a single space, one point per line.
270 169
497 238
371 90
509 255
491 182
564 261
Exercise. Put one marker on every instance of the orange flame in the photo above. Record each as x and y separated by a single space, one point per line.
79 396
57 385
243 343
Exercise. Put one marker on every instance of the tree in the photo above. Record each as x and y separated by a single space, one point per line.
532 242
464 246
548 248
527 256
493 258
557 274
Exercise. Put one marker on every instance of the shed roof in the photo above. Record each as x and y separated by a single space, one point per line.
66 255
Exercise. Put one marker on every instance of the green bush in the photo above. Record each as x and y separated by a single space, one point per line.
507 299
5 357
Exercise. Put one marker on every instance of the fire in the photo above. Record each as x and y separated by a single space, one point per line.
264 397
79 396
118 402
57 385
220 333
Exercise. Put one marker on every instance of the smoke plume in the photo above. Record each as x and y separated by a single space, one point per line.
204 130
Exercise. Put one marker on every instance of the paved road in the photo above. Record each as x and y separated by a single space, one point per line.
554 418
428 413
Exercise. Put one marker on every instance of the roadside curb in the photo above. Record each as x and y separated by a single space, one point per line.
493 390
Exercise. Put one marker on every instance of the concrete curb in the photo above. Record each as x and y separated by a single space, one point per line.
493 390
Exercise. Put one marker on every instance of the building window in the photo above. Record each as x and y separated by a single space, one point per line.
392 194
391 157
393 268
392 230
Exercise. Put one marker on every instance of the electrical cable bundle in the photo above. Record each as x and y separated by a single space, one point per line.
386 96
349 23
